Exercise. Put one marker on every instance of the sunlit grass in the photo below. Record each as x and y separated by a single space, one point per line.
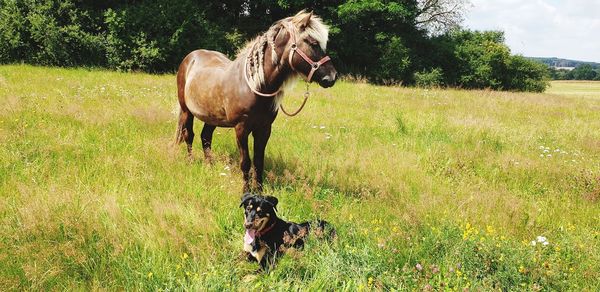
441 189
575 88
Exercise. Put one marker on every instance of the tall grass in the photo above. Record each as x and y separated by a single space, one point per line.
428 189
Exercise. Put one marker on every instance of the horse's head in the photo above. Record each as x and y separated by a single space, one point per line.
306 48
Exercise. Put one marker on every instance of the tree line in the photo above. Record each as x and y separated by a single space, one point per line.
410 41
581 72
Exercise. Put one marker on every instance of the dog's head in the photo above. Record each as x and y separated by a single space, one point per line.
259 211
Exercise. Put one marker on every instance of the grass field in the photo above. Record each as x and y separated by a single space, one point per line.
428 189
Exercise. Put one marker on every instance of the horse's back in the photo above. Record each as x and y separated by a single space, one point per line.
205 60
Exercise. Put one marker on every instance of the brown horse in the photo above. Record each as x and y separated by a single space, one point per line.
246 93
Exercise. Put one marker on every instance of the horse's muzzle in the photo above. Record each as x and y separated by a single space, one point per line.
328 80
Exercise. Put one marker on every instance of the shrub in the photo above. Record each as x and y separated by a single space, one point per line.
428 79
525 75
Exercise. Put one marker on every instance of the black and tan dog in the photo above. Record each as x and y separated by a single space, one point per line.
268 236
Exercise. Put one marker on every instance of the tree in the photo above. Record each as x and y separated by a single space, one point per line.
438 16
584 72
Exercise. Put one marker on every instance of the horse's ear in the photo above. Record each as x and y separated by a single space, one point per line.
303 20
246 198
273 201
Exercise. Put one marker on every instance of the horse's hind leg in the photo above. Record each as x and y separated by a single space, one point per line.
206 136
185 129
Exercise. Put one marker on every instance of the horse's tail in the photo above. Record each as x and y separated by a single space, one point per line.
181 107
179 130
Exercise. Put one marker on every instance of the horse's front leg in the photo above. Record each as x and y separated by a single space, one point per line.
261 137
241 134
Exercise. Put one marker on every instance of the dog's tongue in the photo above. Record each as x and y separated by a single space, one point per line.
249 237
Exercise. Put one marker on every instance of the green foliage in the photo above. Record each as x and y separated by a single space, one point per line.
584 72
557 62
380 39
481 57
525 75
49 32
429 79
481 60
394 64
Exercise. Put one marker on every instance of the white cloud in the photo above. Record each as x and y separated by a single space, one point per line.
542 28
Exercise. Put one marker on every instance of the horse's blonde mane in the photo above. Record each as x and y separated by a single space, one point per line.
254 50
315 28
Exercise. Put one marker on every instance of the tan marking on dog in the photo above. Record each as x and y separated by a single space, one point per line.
258 209
303 232
261 223
258 254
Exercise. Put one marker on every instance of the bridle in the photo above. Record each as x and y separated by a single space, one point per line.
314 66
293 49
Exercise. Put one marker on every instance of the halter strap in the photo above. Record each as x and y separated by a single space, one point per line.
252 87
293 49
314 65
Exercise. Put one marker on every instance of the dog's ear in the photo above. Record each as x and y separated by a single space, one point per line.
246 198
273 201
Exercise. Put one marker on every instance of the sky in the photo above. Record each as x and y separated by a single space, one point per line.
567 29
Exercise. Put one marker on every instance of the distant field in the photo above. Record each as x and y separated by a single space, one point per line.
428 189
575 88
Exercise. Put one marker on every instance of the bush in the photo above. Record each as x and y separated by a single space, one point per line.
525 75
428 79
49 32
394 65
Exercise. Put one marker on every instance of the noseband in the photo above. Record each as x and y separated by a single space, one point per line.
314 66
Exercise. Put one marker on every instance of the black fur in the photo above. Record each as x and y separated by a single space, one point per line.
282 234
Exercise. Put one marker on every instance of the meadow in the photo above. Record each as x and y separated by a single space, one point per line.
429 189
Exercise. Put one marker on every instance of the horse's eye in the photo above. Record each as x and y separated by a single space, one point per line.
312 43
